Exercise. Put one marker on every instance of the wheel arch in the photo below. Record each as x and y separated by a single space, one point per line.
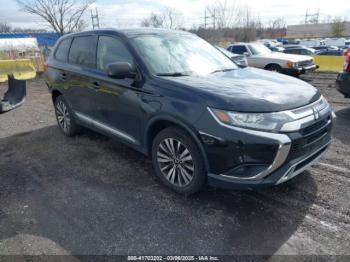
55 93
157 124
273 64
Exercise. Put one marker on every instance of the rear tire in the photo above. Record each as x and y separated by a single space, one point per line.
65 117
178 162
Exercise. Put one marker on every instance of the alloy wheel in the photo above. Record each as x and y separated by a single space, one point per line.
63 116
175 162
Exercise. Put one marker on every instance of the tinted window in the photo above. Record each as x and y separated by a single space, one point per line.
292 51
111 50
239 49
330 52
62 50
305 52
83 51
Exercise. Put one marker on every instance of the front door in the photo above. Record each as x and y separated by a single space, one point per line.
118 100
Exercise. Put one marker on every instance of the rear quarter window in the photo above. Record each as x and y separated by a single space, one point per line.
83 51
62 50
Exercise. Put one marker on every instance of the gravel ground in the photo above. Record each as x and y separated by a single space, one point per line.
92 195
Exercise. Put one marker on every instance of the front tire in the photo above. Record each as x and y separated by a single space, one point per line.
274 68
178 162
64 117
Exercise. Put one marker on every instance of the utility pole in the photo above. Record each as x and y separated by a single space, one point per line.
209 14
214 19
206 17
312 18
95 20
306 15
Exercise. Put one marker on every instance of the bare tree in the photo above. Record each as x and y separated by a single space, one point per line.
172 19
224 13
5 28
154 20
248 25
169 18
276 28
64 16
338 27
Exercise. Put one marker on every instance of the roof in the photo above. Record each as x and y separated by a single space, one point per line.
129 32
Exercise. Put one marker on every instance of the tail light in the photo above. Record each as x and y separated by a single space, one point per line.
346 52
347 64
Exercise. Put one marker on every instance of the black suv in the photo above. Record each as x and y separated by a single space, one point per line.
171 95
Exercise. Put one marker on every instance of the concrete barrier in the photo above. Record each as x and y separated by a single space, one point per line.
330 63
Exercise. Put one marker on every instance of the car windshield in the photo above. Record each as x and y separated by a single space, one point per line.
178 55
224 51
258 49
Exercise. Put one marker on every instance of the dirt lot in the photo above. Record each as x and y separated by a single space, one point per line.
91 195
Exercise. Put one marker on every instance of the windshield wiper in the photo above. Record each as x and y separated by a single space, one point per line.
222 70
175 74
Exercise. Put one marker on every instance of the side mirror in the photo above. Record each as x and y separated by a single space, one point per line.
246 54
242 63
120 70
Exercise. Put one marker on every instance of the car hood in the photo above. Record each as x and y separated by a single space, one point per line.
248 90
289 57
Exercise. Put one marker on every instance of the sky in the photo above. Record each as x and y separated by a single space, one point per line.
129 13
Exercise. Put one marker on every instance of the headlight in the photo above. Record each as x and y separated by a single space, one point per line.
271 122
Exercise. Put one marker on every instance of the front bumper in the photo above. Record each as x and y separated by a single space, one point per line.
14 96
286 172
300 70
248 159
343 84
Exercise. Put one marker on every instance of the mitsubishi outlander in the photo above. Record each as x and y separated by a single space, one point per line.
202 119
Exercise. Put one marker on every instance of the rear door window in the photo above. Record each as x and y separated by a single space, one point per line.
239 49
83 51
62 50
111 50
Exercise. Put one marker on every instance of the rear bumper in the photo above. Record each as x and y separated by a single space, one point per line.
300 70
343 84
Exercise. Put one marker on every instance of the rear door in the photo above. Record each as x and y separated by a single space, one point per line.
82 63
57 65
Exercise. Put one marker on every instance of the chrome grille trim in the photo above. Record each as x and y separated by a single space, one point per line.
306 114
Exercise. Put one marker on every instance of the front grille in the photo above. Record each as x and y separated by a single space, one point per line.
305 63
315 127
313 137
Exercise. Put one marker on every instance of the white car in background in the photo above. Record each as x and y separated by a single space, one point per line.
260 56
